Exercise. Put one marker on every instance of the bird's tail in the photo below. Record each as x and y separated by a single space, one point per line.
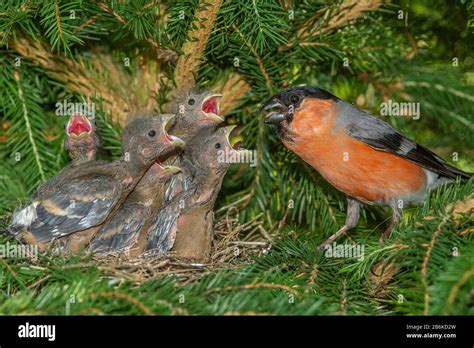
456 173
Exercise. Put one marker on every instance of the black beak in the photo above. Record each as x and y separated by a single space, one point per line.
276 116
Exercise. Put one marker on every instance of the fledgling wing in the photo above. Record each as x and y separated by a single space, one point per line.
383 137
176 185
120 232
75 206
162 230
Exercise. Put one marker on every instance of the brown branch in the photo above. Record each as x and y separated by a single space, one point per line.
58 19
74 75
104 7
7 266
122 296
162 53
254 286
268 81
455 289
85 24
122 93
193 48
345 12
232 89
424 268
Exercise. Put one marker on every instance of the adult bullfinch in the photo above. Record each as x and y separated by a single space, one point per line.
360 155
185 225
91 191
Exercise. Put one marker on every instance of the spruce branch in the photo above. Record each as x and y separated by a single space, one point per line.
426 260
268 81
29 130
233 88
192 51
78 78
344 13
58 28
161 53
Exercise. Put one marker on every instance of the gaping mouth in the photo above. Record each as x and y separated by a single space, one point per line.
236 146
274 111
210 107
174 140
78 126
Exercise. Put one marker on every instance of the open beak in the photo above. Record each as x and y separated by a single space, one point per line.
78 126
229 130
275 112
171 138
210 108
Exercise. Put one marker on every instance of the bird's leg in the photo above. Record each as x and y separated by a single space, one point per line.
353 210
396 215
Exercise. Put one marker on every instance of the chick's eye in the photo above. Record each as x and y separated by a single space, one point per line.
217 146
191 101
152 133
294 99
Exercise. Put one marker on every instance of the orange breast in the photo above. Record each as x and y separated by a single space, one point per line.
352 166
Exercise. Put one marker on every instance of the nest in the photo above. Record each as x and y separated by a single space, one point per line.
234 244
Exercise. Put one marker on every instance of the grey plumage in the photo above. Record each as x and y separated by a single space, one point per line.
90 191
383 137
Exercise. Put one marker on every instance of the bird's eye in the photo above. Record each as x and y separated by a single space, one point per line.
294 99
217 146
152 133
191 101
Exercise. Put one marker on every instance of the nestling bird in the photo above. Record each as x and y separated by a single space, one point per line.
195 111
82 143
120 233
197 115
91 191
185 225
82 139
360 155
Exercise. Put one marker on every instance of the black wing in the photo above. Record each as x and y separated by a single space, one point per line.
383 137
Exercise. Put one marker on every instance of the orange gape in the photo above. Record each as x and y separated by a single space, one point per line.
349 165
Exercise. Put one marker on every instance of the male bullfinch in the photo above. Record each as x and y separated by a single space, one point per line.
185 225
360 155
91 191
